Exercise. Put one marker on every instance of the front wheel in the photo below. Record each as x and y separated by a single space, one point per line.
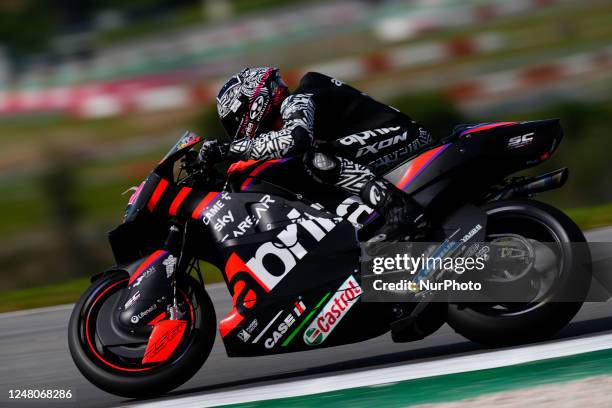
117 368
558 289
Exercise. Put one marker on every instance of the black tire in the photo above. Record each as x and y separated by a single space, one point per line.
536 321
152 379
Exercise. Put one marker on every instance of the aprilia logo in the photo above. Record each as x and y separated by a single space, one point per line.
272 261
333 312
290 251
362 137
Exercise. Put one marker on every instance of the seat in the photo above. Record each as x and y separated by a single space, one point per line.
469 128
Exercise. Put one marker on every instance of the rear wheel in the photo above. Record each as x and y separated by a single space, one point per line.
557 289
117 368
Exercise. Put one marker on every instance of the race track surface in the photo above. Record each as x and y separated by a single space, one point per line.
34 353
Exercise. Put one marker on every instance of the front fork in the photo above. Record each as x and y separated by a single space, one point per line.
152 287
174 244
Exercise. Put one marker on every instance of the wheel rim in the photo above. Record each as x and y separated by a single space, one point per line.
544 237
104 356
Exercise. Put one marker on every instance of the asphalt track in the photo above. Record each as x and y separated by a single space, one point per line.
34 354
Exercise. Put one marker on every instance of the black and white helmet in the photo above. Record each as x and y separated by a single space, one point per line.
248 98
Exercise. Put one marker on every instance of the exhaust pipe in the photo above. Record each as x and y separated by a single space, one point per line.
529 186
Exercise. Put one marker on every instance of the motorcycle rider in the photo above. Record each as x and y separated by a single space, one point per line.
343 135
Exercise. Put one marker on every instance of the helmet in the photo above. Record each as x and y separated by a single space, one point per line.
247 101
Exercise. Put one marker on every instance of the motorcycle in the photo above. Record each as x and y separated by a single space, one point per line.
290 257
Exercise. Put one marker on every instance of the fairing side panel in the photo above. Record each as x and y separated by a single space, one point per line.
278 267
472 161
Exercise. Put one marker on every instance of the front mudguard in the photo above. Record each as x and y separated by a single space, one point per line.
149 288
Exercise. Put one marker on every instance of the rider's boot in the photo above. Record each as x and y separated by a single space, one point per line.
404 219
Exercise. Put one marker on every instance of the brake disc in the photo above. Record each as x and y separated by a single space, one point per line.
511 257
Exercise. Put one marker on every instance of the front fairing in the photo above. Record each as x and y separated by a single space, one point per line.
160 178
142 196
144 229
184 144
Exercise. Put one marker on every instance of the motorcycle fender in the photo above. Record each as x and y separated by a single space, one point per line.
149 289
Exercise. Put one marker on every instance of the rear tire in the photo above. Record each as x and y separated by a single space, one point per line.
539 320
150 379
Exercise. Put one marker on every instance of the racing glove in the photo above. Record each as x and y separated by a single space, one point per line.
213 151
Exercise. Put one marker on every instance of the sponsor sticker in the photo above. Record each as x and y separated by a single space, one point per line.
517 142
245 334
169 263
130 302
333 311
285 324
143 276
362 137
136 318
188 140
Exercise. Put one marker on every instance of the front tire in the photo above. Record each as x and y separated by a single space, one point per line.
492 325
127 377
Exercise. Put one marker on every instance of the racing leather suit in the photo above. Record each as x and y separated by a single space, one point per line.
345 137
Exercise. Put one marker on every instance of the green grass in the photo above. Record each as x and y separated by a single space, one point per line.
188 16
41 296
592 217
69 292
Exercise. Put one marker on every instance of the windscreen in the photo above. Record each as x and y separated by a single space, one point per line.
187 140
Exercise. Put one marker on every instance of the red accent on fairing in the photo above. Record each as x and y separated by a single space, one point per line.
250 299
205 201
230 322
178 200
240 166
259 169
152 258
264 165
486 127
247 182
159 190
164 339
195 139
234 265
157 319
418 164
91 347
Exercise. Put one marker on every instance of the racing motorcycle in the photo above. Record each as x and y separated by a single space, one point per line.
289 250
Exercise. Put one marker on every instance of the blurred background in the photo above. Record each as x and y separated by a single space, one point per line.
93 93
